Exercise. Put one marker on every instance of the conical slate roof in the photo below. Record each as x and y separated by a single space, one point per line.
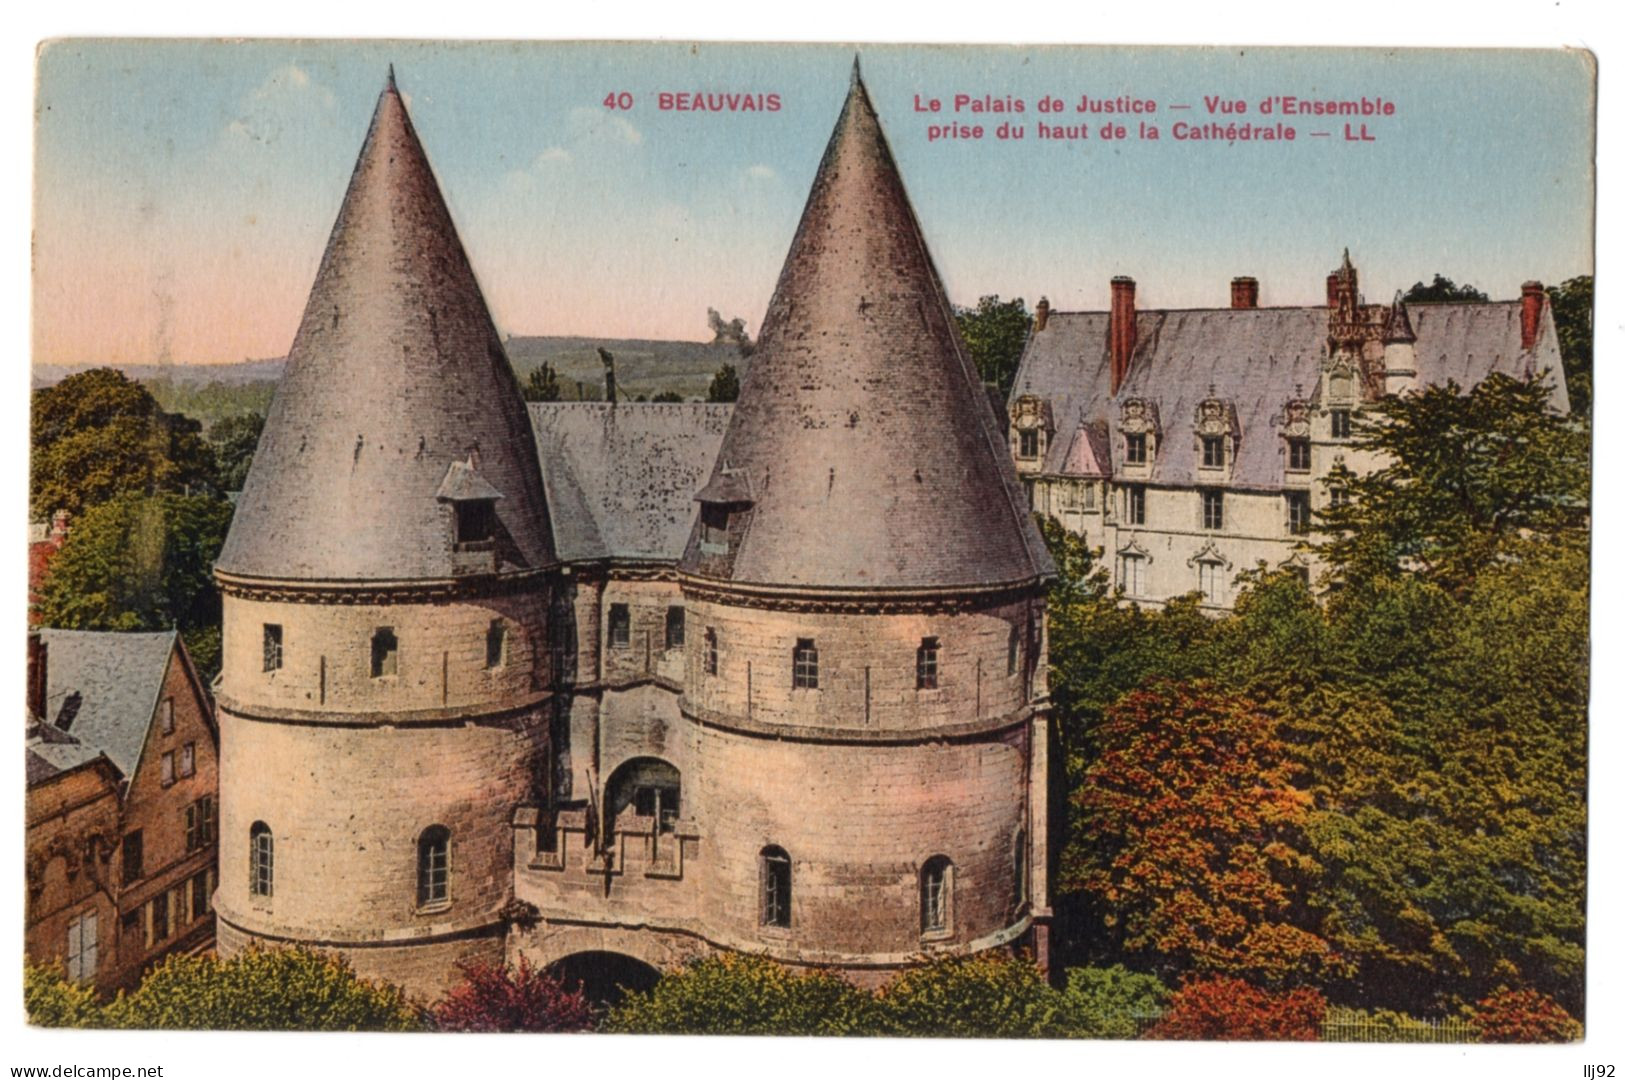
866 450
397 400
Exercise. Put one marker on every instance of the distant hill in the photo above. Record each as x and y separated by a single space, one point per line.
210 392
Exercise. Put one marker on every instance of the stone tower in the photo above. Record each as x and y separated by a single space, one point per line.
864 593
385 680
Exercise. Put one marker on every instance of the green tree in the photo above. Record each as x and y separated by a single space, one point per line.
97 434
724 385
734 994
1443 290
234 440
1465 476
52 1000
142 563
986 995
542 384
667 396
1107 1003
1572 303
995 332
263 990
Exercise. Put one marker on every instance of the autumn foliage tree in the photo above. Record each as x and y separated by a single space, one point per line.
1523 1016
494 997
1192 844
1226 1008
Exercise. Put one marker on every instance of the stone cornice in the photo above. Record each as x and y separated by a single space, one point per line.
371 718
974 729
861 601
381 592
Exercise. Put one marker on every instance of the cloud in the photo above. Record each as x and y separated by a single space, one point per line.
553 153
280 103
596 125
761 172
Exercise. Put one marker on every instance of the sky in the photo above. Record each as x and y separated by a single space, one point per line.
184 190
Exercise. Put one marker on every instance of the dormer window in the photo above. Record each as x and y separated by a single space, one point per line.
1134 448
1297 455
1212 451
1027 443
713 529
476 521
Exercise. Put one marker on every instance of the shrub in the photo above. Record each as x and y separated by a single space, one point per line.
1523 1016
1107 1003
1227 1008
733 994
264 990
50 1000
493 997
988 994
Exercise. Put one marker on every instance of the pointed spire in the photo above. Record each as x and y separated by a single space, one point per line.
857 70
395 374
1397 327
389 85
868 443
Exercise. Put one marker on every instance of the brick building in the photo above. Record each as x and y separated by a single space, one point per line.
121 754
1191 445
610 686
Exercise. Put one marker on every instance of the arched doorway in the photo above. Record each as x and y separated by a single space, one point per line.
605 977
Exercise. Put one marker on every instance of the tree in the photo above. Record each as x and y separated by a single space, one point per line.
668 396
1572 304
1465 476
263 990
143 563
97 434
1443 290
1523 1016
735 994
995 332
986 994
494 997
542 384
1107 1003
1190 838
51 999
235 439
1228 1008
724 385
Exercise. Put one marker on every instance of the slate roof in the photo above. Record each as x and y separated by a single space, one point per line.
117 678
1255 359
621 479
395 373
873 455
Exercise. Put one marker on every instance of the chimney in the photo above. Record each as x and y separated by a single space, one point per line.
609 374
1121 329
1534 297
1244 292
37 650
1041 315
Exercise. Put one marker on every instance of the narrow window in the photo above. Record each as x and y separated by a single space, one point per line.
434 865
273 647
1131 574
1213 451
1213 510
620 626
82 947
674 627
1012 659
1302 574
1297 512
160 918
1210 579
1340 497
385 652
1089 495
936 888
261 859
200 895
925 664
1134 504
775 887
130 856
710 651
1021 867
476 521
1028 439
200 824
1297 455
496 644
1134 449
806 664
166 716
188 759
166 768
1341 423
